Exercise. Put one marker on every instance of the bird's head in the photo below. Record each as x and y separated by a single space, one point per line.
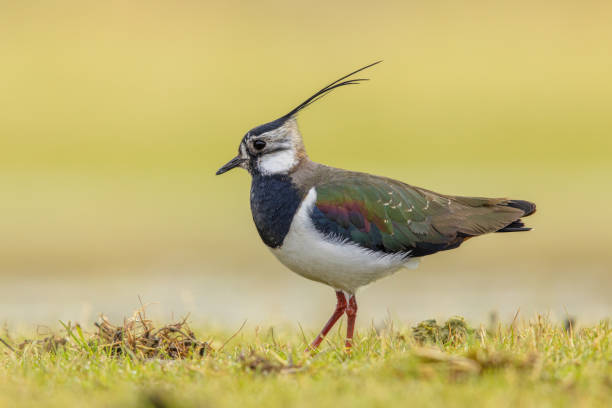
276 147
272 148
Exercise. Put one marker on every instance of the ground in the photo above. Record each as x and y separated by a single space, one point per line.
525 363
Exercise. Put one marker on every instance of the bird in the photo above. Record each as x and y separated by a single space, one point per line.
347 229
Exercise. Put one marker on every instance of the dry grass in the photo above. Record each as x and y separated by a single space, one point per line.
139 338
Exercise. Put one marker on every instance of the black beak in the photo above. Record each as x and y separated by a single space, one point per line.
235 162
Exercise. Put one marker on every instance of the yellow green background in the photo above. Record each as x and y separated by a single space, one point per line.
115 115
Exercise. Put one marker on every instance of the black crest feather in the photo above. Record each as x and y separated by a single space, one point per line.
336 84
266 127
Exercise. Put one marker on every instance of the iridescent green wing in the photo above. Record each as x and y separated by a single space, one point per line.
389 216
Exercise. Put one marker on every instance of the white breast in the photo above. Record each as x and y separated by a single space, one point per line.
337 263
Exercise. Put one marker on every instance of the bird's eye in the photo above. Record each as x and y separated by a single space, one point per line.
259 144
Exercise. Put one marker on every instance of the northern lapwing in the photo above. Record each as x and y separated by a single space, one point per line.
347 229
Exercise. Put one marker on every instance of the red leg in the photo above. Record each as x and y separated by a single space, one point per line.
351 314
340 309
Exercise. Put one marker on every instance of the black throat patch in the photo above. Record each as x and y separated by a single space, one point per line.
274 202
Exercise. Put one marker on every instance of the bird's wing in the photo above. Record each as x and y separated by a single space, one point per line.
389 216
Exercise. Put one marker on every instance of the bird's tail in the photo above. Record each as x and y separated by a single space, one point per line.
527 207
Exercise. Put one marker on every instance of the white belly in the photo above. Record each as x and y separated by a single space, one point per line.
342 265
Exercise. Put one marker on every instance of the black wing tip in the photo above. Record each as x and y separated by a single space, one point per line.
515 226
527 207
519 229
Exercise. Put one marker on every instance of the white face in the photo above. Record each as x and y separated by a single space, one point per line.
280 162
273 152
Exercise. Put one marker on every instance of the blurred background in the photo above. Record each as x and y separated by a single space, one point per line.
114 117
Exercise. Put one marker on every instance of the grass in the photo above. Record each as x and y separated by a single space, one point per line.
530 363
